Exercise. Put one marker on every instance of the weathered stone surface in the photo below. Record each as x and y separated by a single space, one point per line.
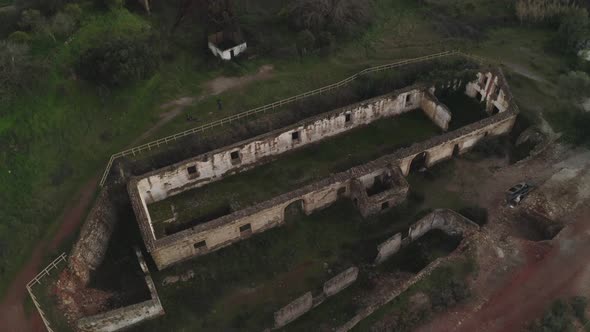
341 281
122 318
445 220
293 310
388 248
224 231
88 252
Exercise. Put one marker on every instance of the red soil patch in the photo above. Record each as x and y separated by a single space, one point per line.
12 313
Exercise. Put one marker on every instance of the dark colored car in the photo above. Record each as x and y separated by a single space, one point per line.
517 193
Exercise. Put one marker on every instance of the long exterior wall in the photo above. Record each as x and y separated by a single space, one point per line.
224 231
212 166
123 318
88 252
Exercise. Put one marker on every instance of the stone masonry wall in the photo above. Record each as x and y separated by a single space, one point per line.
123 318
445 220
341 281
438 112
293 310
225 230
88 252
388 248
211 166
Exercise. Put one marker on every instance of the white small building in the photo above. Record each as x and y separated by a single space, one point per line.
227 45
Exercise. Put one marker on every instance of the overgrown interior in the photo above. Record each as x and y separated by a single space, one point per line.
176 198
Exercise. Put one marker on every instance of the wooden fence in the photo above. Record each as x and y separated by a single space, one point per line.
272 106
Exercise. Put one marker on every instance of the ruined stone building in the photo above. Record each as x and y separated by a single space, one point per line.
373 187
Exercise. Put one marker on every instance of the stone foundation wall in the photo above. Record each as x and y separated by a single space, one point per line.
445 220
224 231
88 252
306 302
438 112
293 310
122 318
341 281
388 248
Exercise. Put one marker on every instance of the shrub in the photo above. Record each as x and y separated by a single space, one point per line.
574 85
74 11
19 37
542 10
62 25
18 70
119 61
579 305
340 17
325 41
110 4
30 19
573 33
305 42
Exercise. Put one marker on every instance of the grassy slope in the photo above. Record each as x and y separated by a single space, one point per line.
70 125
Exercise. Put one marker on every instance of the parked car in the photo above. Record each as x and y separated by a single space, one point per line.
517 193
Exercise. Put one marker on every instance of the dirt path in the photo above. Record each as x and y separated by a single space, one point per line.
519 278
214 87
12 315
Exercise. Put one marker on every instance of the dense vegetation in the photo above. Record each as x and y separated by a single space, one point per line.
80 80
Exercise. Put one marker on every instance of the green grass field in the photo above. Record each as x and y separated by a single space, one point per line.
242 285
59 134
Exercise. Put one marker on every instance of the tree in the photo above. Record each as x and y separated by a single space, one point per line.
337 16
305 42
574 31
575 86
119 61
18 70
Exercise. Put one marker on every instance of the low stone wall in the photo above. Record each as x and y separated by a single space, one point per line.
393 293
306 302
122 318
445 220
293 310
88 252
388 248
341 281
438 112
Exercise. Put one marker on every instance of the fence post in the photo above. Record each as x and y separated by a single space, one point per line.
285 101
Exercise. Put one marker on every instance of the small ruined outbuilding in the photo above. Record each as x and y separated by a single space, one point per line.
227 44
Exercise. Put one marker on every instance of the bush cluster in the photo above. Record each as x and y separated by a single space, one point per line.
119 61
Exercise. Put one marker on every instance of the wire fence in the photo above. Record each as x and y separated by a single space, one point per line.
38 281
272 106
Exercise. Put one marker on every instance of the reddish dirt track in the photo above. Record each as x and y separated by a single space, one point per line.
550 272
12 315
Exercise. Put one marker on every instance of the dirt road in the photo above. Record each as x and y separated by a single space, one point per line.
12 315
536 273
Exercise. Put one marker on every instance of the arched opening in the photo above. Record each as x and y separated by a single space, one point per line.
495 110
419 162
294 210
456 151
